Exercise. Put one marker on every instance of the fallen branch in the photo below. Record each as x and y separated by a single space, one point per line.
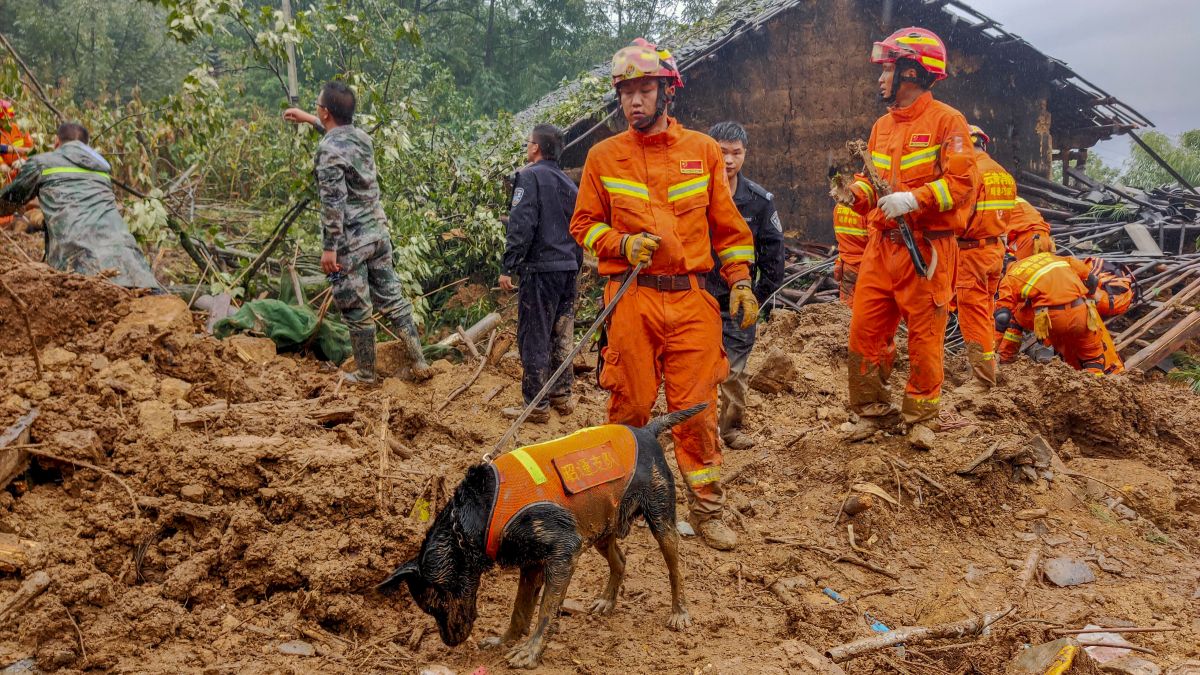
919 474
468 342
281 231
837 557
87 465
1029 569
23 309
384 449
890 590
474 376
33 82
1132 648
1139 629
913 634
29 589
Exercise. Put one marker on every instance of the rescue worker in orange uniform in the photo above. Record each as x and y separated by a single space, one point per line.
15 145
850 229
981 262
922 148
1116 289
657 194
1053 295
1028 231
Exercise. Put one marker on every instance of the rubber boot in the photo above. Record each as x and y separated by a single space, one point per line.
362 342
406 330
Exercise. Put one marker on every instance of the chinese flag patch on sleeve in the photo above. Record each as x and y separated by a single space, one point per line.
691 166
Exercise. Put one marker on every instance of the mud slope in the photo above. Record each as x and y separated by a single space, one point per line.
267 501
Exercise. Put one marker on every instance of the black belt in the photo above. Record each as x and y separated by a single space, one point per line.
1074 303
893 235
663 282
976 243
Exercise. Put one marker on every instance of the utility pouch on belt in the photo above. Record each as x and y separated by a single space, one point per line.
1093 320
1041 323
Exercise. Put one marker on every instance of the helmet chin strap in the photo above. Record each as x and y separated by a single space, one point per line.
897 78
660 108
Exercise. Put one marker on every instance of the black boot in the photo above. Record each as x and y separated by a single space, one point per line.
362 342
406 330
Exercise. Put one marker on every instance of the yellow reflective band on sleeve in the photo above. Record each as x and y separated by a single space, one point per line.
687 188
987 356
868 190
593 233
535 471
995 205
880 160
919 157
1033 279
709 474
736 254
73 169
852 231
941 191
1011 336
620 186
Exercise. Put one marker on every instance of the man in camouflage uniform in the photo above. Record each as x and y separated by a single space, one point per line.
84 230
357 252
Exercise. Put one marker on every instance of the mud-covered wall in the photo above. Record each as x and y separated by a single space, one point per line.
804 85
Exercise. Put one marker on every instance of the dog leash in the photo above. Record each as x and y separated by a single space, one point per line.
568 362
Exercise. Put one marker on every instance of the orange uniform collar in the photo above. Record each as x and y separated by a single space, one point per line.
913 111
668 137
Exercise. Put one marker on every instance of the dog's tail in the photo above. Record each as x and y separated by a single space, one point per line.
662 423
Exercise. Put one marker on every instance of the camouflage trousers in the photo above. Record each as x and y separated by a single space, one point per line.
368 280
546 332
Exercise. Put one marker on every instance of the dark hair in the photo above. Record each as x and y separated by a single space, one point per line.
729 131
339 100
924 79
72 131
549 139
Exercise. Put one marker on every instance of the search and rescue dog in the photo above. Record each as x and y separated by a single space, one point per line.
536 509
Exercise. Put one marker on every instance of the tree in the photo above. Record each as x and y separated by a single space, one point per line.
1183 154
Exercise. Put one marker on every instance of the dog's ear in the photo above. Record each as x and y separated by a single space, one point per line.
406 571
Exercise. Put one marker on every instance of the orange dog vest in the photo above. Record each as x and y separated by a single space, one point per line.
586 473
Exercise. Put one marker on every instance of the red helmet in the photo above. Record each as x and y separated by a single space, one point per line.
644 59
6 110
978 135
918 44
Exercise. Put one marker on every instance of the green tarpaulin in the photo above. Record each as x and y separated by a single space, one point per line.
290 327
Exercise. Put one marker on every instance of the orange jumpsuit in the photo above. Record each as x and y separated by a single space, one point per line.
925 149
851 232
1114 293
1028 231
666 328
10 134
981 264
1050 289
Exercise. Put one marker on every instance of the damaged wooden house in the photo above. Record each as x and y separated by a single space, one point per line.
796 74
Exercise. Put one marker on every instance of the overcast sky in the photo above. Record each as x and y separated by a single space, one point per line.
1144 52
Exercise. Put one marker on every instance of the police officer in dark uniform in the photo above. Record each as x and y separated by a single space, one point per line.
757 206
541 250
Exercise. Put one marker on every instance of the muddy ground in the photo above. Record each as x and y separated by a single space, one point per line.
266 503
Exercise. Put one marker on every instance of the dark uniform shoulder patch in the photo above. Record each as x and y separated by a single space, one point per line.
517 195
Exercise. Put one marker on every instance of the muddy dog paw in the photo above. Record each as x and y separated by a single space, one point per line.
680 620
602 606
524 656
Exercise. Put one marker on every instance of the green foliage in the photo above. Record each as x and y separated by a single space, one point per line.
1182 153
1186 371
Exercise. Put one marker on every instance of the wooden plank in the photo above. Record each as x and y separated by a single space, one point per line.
314 409
15 552
1151 356
14 462
1143 240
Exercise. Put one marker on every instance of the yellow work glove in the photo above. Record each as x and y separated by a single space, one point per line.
742 298
639 248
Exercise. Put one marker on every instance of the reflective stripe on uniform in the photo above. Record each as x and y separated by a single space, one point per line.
620 186
919 157
941 191
868 191
535 471
709 474
1012 336
995 205
987 356
687 188
930 401
880 160
1033 278
852 231
73 169
736 254
593 233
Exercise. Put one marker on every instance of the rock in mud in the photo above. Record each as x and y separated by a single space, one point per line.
435 669
921 437
172 390
777 374
149 317
1150 492
1131 665
1065 571
157 419
253 350
56 357
81 443
297 648
192 493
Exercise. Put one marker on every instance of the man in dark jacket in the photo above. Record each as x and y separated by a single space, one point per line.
540 249
757 206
